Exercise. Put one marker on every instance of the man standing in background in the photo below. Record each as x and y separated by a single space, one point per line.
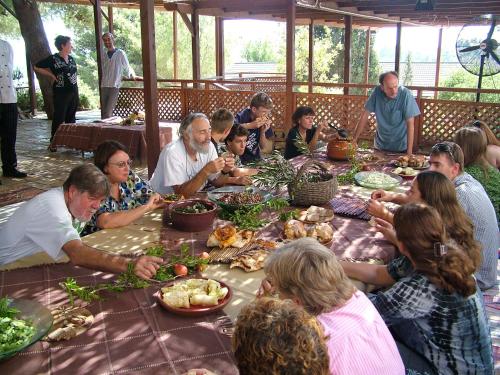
8 112
114 63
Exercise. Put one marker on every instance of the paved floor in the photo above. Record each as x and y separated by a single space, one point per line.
46 169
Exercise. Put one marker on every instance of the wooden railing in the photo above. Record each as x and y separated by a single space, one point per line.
438 121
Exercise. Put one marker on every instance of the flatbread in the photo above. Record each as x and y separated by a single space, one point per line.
227 236
315 214
250 261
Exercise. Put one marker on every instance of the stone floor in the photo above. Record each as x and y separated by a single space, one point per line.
45 169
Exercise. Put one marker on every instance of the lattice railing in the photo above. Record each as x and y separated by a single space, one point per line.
441 118
340 110
129 100
170 104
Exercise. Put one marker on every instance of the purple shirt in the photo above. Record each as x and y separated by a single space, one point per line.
359 342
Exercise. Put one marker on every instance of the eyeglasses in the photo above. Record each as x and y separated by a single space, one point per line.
123 164
476 124
445 148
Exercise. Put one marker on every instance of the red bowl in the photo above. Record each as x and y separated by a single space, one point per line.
195 310
188 222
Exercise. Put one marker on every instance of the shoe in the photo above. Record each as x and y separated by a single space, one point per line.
14 173
52 148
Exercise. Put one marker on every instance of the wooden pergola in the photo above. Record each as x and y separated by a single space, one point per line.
349 14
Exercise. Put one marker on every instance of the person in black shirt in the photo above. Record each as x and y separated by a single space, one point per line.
61 69
302 119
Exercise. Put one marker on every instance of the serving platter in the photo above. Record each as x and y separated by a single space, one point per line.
361 179
217 194
194 310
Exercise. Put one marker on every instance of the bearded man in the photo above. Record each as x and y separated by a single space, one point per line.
186 165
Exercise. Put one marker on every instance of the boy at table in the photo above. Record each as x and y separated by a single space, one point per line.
52 221
255 120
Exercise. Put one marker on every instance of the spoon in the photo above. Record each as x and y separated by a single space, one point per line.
342 132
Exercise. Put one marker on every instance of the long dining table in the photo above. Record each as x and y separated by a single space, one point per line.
131 332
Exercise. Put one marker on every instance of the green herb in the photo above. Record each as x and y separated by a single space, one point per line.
14 333
196 208
73 290
155 251
5 310
348 177
302 146
274 171
288 215
364 145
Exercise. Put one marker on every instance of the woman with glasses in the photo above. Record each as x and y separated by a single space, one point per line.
473 142
130 197
493 144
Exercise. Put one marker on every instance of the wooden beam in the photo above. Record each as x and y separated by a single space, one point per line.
110 19
347 51
31 84
219 47
290 61
93 2
397 52
367 57
310 61
181 8
174 44
98 44
195 44
187 22
438 61
150 83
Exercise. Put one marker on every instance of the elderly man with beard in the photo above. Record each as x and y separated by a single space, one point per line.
186 165
52 221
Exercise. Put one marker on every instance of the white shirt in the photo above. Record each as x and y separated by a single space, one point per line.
175 167
7 88
113 67
44 223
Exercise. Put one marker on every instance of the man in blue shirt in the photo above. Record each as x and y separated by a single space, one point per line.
255 120
395 109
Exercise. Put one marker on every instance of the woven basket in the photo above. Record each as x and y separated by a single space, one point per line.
304 193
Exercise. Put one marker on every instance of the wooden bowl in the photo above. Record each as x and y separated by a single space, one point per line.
339 149
191 222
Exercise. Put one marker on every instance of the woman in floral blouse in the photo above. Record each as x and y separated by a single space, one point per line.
130 197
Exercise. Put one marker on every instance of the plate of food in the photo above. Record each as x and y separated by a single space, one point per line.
22 323
194 297
315 214
235 197
377 180
295 229
171 198
406 173
417 162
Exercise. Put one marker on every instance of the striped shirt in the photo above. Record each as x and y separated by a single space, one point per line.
359 342
450 330
113 67
476 204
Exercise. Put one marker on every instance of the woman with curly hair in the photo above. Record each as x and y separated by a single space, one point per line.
473 142
436 312
130 197
279 338
358 340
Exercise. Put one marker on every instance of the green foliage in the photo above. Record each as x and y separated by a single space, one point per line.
463 79
9 26
408 72
23 100
5 310
259 51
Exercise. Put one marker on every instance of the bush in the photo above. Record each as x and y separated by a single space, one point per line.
84 102
23 100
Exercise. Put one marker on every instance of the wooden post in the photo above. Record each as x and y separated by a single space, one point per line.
150 82
31 84
367 58
219 47
438 61
290 62
310 62
347 51
110 19
418 126
195 44
98 43
174 42
397 52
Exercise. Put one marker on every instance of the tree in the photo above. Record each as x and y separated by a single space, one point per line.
37 46
463 79
408 72
258 51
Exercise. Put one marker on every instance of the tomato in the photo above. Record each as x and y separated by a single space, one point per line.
180 269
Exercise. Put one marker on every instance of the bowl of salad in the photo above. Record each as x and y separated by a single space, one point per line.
22 323
192 215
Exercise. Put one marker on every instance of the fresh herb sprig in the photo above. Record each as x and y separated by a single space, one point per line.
5 310
348 177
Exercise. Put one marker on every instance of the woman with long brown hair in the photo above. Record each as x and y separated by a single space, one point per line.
493 144
436 190
473 142
436 312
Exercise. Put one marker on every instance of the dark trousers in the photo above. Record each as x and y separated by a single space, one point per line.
8 131
65 105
